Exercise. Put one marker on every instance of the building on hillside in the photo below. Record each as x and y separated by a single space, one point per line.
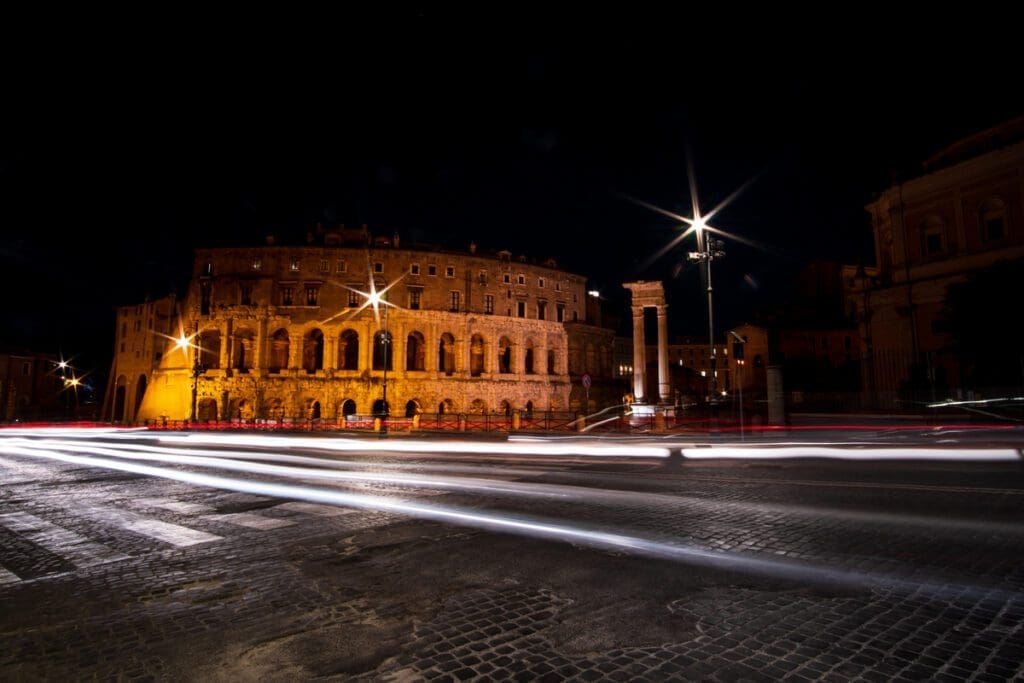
284 332
961 216
30 389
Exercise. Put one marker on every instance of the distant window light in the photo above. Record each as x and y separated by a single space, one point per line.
378 267
295 264
257 264
324 265
312 296
414 269
287 294
449 271
432 270
342 266
208 268
353 299
489 303
453 301
414 299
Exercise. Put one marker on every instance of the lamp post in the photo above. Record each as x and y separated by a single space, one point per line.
384 409
197 369
709 250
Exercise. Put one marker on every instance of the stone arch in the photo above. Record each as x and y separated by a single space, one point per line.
348 407
477 407
274 409
412 408
279 348
312 409
505 355
529 360
446 354
348 350
206 411
313 351
119 398
209 349
381 408
529 409
506 407
551 362
445 407
241 409
476 355
415 351
244 354
382 350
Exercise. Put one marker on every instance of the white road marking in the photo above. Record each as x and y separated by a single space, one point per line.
174 534
80 551
316 509
8 577
252 521
176 505
24 472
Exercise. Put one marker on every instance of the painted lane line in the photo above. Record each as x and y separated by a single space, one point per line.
80 551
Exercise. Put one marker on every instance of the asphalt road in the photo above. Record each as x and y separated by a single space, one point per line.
140 556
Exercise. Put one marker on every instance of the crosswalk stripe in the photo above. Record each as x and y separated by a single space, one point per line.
316 509
174 534
79 550
176 505
248 519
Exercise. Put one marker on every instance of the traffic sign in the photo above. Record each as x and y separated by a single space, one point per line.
586 380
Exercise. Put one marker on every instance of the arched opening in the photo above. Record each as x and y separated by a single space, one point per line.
140 391
446 354
244 351
279 347
119 399
506 408
348 350
445 407
382 350
504 355
415 352
314 411
209 345
380 408
551 362
241 409
528 360
476 355
313 351
207 411
529 409
348 408
412 408
477 407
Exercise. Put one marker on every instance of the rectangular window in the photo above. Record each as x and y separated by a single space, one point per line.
542 310
342 266
312 296
521 309
295 265
432 270
26 368
449 271
414 269
204 299
208 269
378 267
414 299
453 302
138 325
488 303
560 312
324 265
246 298
521 279
257 263
287 293
540 282
482 277
575 299
507 278
353 298
558 286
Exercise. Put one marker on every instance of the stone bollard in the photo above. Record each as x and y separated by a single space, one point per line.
376 424
659 421
415 422
462 423
515 420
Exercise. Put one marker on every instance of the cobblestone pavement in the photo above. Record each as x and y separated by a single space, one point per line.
875 572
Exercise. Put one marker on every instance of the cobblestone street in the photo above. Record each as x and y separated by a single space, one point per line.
797 570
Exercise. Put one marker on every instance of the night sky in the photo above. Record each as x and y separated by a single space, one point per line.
518 131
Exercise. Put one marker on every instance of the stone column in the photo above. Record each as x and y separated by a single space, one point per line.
259 362
639 354
664 388
296 341
330 351
226 340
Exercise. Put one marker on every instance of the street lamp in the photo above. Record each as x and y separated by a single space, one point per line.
197 369
709 250
384 341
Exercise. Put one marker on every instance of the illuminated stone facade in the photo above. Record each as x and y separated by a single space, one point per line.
284 333
139 345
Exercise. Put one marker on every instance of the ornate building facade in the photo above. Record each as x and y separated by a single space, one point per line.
285 332
963 215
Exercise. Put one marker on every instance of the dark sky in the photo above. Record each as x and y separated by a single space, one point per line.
520 130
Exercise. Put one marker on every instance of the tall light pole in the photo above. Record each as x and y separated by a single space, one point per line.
708 250
385 340
197 369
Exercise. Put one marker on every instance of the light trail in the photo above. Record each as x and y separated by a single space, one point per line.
908 453
536 528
